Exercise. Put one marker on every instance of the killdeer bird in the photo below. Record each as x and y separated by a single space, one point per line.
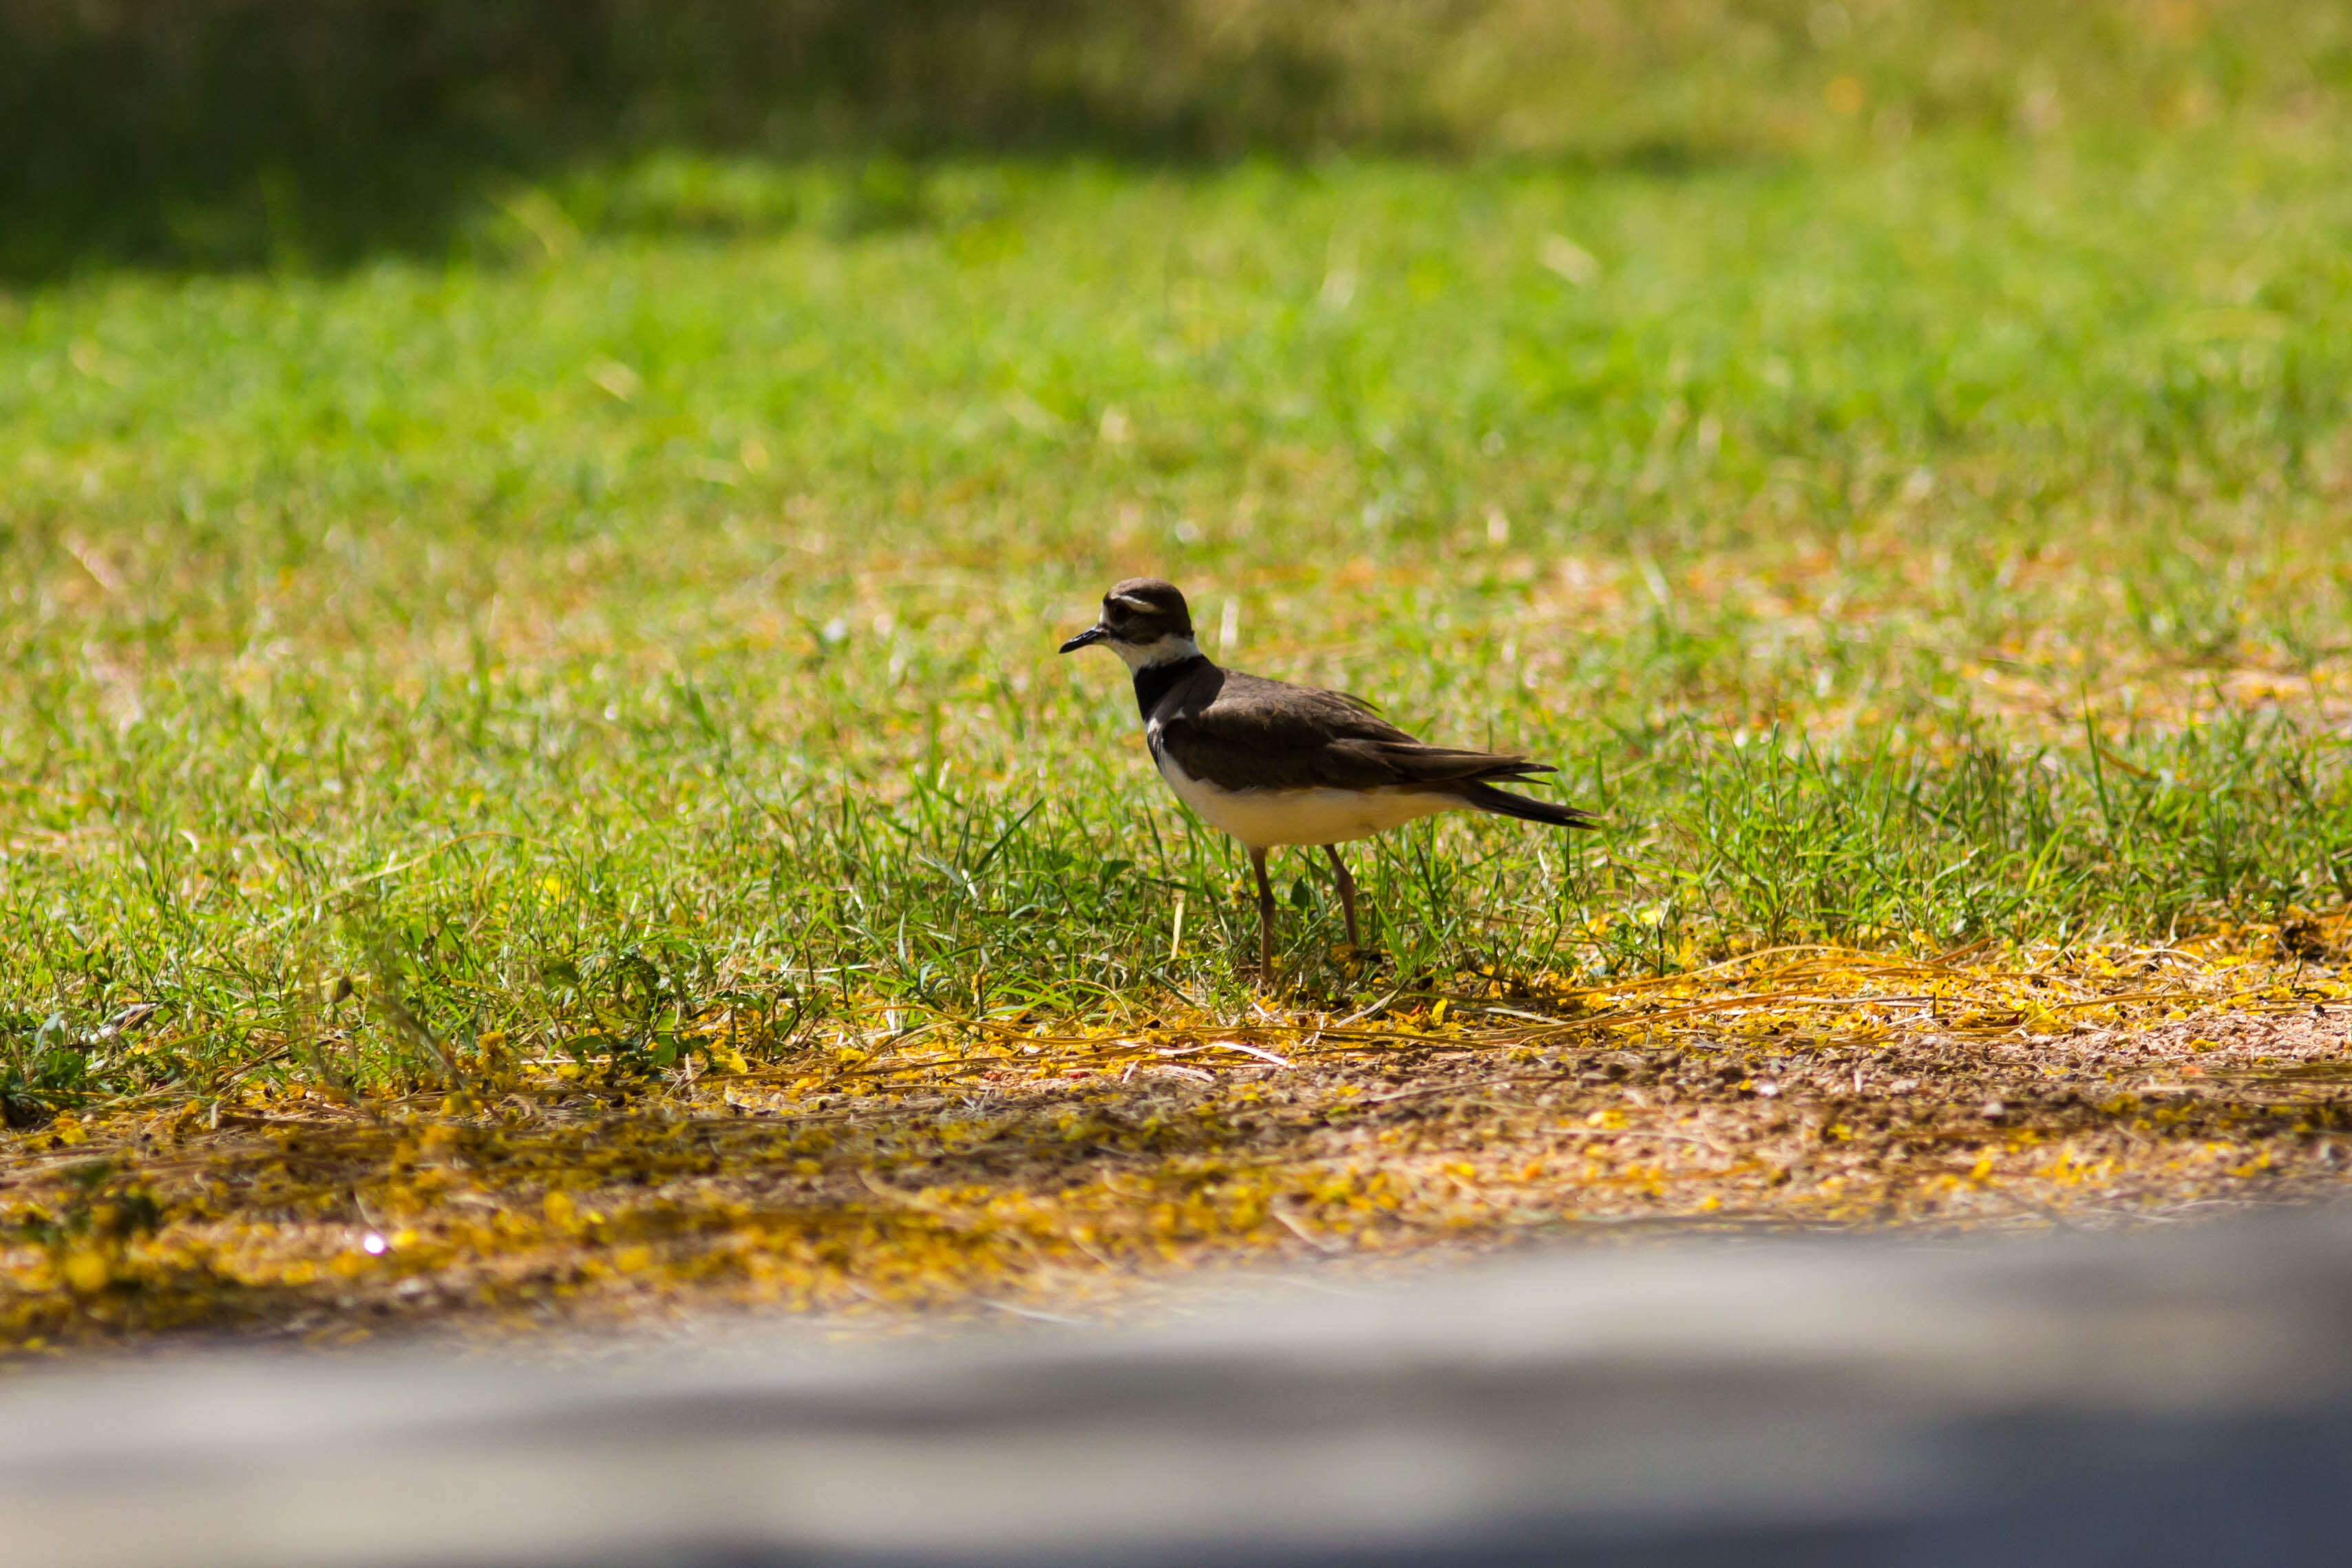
1273 763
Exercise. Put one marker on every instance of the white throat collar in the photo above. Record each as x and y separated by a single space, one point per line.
1165 650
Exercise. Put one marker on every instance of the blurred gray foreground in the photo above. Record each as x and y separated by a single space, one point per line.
2178 1397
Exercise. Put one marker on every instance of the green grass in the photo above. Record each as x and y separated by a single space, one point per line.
1907 545
226 134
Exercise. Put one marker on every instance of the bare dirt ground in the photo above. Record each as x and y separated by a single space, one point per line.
998 1168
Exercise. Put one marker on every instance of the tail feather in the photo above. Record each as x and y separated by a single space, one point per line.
1502 803
1413 762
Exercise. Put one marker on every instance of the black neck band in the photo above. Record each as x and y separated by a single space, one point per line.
1154 681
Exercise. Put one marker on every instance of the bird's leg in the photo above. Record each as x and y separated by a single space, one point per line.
1346 894
1265 915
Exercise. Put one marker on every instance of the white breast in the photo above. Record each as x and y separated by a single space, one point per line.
1263 818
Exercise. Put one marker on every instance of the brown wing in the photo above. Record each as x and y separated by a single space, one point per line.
1252 733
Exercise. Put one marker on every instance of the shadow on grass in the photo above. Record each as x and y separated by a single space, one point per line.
285 133
232 135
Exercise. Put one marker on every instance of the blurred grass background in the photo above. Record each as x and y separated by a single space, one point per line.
564 510
232 132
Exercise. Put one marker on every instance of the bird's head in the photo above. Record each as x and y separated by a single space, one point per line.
1145 622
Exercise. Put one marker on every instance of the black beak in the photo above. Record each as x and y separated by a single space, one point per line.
1093 634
